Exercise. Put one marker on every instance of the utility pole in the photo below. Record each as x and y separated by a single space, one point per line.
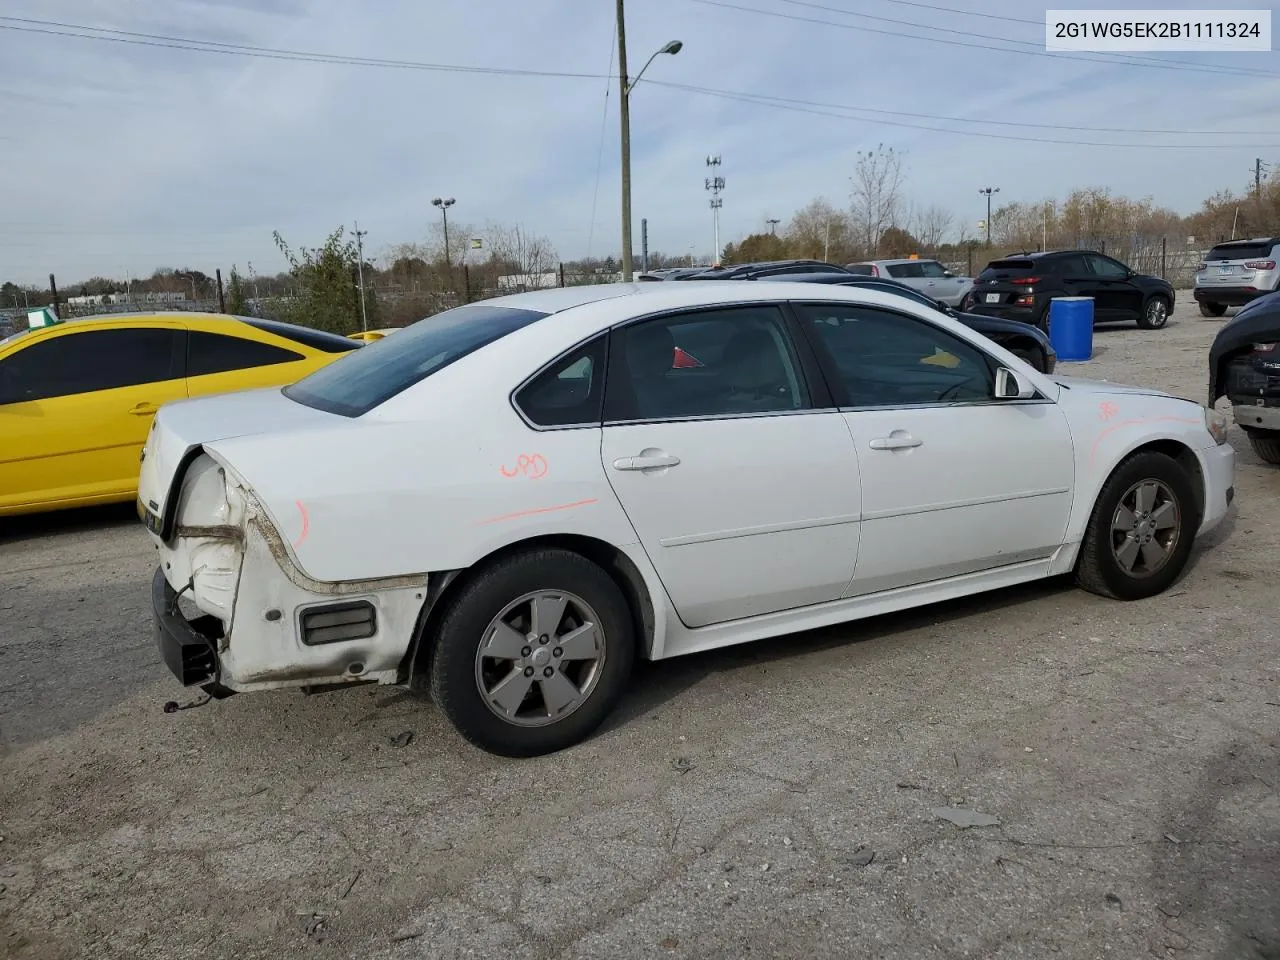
624 116
715 184
644 245
988 191
773 226
360 235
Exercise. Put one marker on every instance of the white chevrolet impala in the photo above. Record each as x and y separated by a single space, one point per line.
506 504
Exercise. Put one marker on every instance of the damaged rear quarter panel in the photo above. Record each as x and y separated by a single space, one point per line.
400 498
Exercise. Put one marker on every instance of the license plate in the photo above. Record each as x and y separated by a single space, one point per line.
993 298
1222 270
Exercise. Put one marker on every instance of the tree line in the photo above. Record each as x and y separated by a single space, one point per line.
322 285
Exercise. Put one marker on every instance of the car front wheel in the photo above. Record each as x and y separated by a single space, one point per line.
1212 309
1155 314
1142 529
532 654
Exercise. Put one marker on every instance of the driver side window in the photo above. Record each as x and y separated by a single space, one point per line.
881 359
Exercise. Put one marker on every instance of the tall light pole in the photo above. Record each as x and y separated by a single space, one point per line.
988 191
773 225
444 206
626 85
360 234
715 184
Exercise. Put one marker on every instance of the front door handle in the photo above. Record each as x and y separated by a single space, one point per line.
143 409
895 443
645 462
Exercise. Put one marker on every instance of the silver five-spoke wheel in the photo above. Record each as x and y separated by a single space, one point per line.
540 658
1145 528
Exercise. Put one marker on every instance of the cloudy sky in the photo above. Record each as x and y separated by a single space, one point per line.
123 156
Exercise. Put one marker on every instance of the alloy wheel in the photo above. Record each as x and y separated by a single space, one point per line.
1145 528
541 658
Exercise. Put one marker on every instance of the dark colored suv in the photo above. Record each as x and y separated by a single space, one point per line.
1020 288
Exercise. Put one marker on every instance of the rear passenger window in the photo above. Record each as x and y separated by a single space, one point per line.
714 363
905 270
216 353
570 392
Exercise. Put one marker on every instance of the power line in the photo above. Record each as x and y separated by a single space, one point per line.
950 119
268 53
801 106
1038 52
807 106
604 119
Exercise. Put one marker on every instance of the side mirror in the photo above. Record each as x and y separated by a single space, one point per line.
1009 386
948 274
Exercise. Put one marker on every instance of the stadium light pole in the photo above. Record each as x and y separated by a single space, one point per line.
988 191
626 85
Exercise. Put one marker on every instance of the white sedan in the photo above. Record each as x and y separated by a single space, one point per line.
506 504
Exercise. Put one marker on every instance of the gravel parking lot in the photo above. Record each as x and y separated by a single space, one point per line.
774 800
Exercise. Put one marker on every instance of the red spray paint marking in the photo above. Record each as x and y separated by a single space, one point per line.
536 511
534 467
306 524
1093 454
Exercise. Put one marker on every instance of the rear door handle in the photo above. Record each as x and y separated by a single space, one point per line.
645 462
143 409
894 443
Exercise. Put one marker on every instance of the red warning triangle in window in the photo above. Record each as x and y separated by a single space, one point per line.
684 360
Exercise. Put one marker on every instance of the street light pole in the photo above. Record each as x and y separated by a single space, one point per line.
444 206
360 234
988 191
625 86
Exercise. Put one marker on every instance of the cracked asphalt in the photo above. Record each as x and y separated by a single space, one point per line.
775 800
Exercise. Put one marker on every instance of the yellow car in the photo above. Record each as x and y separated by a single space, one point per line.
77 398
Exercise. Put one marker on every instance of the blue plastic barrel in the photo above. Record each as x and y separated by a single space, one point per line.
1071 327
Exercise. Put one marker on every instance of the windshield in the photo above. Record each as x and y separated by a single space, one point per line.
363 379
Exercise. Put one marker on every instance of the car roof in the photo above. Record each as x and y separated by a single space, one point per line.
1247 242
899 260
557 299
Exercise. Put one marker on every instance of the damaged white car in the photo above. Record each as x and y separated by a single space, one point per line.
506 504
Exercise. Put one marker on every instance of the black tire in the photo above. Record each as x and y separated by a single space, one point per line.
1155 314
1212 309
1097 568
452 671
1265 445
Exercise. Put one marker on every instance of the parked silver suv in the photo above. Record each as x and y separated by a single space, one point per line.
1236 272
927 276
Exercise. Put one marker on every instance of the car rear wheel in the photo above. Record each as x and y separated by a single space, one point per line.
532 654
1142 529
1155 314
1266 445
1212 309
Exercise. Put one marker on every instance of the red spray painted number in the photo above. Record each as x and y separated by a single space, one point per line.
533 467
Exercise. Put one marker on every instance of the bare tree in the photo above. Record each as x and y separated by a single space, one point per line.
876 199
520 251
932 224
820 231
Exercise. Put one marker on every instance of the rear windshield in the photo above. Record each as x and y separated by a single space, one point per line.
365 378
1240 251
317 339
1012 265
